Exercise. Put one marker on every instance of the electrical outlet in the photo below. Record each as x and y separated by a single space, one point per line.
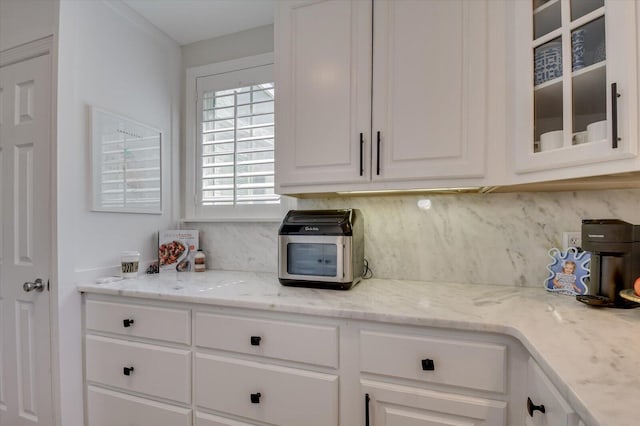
571 239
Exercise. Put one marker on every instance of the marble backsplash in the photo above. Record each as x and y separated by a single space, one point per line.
468 238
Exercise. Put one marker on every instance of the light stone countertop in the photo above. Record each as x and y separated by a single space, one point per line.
592 355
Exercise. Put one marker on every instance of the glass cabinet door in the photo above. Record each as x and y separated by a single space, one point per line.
575 85
569 63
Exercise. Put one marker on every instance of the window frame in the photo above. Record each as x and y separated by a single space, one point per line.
194 211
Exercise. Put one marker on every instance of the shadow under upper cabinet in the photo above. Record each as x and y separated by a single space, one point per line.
127 175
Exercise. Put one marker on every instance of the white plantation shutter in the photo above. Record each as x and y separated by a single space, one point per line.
235 142
238 146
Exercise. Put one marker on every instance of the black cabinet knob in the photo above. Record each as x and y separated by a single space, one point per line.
127 322
428 365
255 398
127 371
531 407
255 340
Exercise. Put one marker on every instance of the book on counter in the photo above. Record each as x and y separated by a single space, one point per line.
176 249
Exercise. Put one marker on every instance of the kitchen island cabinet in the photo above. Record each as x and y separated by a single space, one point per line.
571 344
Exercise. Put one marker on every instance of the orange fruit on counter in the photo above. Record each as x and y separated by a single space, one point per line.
636 286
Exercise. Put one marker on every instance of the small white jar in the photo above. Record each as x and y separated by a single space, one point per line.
130 261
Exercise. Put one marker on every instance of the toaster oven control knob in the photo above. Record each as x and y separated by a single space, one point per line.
255 398
127 322
255 340
531 407
428 365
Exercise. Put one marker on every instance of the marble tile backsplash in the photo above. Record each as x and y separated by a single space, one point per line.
469 238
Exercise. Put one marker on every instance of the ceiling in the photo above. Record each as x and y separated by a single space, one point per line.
188 21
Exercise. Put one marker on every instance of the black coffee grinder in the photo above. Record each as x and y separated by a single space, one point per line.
615 261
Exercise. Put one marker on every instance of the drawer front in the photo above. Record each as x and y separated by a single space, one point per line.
158 371
204 419
472 365
171 325
287 396
107 408
395 405
306 343
543 392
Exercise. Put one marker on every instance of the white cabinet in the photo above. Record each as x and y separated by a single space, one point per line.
420 73
545 405
245 367
259 388
132 376
397 405
410 377
571 58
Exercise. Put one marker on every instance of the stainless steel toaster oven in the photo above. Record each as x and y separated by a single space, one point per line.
321 248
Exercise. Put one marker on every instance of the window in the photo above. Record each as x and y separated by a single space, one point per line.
231 174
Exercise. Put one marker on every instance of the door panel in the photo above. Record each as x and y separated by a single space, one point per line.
429 89
25 209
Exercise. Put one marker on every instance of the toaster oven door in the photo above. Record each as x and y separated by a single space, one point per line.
315 258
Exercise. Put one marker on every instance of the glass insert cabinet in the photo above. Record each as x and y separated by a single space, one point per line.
576 82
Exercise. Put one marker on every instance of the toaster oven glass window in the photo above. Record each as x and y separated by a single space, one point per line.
312 259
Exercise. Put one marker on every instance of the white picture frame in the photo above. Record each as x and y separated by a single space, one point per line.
126 164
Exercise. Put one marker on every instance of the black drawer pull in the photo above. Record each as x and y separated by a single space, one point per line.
127 322
127 371
255 340
428 365
255 398
531 407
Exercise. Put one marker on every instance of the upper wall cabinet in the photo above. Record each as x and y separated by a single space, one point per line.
399 105
575 95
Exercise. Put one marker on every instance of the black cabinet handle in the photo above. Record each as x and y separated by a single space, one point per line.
378 153
361 154
255 398
255 340
367 399
614 115
531 407
127 371
127 322
428 365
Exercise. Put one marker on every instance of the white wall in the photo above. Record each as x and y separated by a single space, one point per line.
111 58
22 21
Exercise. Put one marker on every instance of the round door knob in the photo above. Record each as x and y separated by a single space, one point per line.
38 286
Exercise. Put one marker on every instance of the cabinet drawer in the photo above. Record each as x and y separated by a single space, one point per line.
471 365
287 396
311 344
107 408
542 392
171 325
158 371
203 419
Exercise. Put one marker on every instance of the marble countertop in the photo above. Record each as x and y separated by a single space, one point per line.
592 355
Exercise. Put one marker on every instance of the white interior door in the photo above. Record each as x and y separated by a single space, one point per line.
25 235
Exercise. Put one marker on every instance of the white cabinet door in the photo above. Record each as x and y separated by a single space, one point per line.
395 405
323 80
567 57
429 89
548 408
